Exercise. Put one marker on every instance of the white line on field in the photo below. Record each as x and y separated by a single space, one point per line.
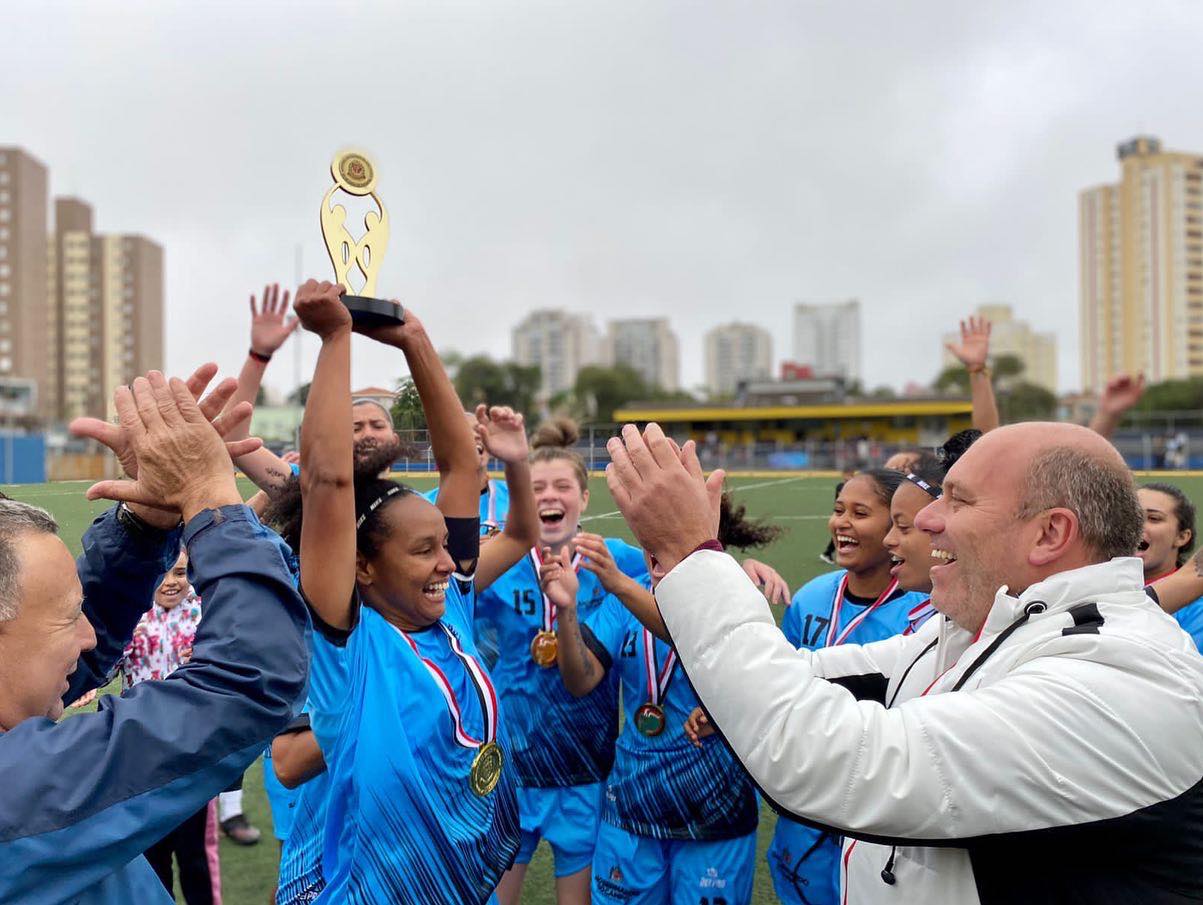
741 487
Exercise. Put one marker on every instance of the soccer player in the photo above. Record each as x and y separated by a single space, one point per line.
859 603
563 746
421 803
679 814
909 548
494 495
1169 536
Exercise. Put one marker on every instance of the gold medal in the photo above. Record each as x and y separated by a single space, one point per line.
543 648
486 769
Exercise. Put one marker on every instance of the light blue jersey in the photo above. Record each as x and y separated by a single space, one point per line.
558 740
494 506
663 786
805 861
1190 617
402 822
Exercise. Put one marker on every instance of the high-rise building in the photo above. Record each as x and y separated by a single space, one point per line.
75 383
559 342
827 337
649 346
129 286
737 352
1008 336
1140 261
23 311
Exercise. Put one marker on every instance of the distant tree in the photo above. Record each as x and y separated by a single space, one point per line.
1023 401
955 379
600 390
481 379
261 397
407 407
883 392
1173 396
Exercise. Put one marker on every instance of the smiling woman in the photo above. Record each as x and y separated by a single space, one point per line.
862 602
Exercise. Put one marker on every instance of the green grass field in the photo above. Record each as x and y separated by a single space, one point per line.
799 504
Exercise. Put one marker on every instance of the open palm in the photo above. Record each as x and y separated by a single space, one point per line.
975 343
270 324
503 433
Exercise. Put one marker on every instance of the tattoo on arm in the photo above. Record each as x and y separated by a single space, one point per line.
571 629
1198 558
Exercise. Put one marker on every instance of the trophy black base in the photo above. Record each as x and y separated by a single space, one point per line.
370 312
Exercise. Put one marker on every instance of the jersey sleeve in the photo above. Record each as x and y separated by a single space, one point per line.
604 630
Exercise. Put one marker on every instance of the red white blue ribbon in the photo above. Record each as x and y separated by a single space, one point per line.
657 685
549 608
834 636
480 681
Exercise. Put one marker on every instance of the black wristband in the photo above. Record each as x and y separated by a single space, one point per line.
258 356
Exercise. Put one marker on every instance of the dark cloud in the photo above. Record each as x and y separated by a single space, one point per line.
705 161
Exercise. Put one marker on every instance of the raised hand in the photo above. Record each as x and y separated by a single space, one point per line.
558 578
320 309
397 335
768 580
270 324
1121 393
112 435
503 432
975 343
671 507
598 560
182 463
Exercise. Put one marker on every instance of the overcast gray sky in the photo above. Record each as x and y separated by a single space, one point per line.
704 161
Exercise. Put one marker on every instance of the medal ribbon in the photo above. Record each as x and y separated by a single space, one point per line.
833 639
480 681
549 608
657 688
918 615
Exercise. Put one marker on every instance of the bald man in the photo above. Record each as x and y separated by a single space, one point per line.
1041 742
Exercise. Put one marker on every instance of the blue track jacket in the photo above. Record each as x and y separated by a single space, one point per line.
83 798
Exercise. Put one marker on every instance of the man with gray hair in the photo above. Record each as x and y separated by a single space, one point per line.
83 798
1042 741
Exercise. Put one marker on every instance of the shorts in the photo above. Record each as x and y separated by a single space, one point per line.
567 817
805 864
637 870
282 801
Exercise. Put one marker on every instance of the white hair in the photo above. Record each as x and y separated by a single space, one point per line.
17 519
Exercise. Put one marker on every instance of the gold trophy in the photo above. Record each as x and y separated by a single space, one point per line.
354 174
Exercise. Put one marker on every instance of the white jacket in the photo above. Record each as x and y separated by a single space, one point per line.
1067 767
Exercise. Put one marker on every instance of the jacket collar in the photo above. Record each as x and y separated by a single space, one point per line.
1114 580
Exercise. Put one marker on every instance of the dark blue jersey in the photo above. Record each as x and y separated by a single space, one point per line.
558 740
663 786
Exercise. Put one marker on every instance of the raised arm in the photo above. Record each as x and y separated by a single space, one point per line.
503 434
327 551
270 328
580 668
973 352
96 790
633 595
129 548
1120 394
